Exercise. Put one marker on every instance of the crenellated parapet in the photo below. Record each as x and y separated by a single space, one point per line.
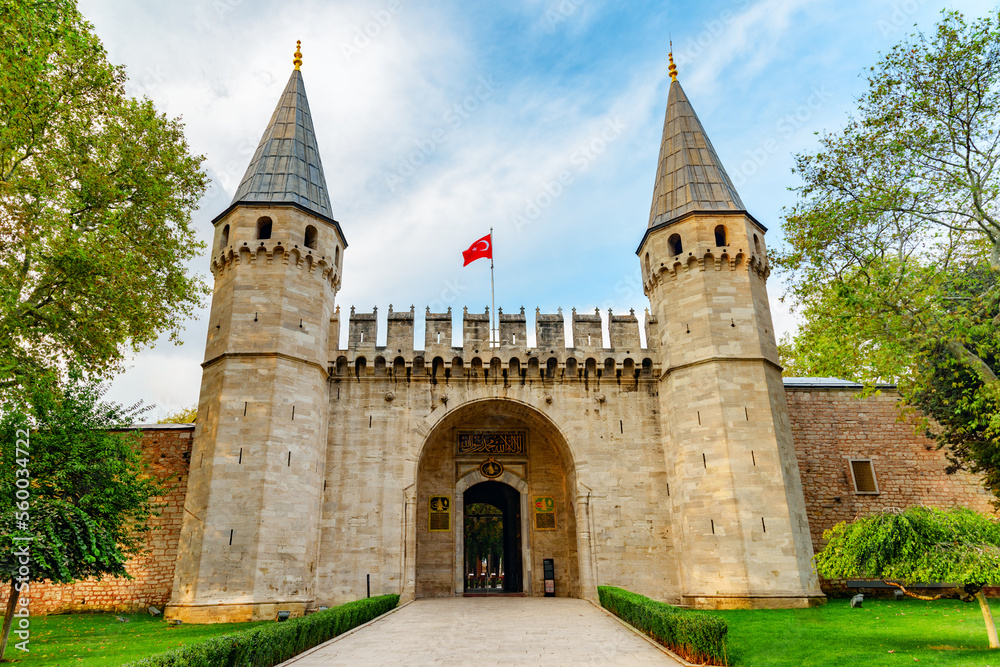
273 252
592 357
678 267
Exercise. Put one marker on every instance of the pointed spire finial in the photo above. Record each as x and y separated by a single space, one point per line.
298 54
673 67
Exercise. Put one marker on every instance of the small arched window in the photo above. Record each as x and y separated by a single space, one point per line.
264 228
225 237
550 367
676 247
336 256
647 264
360 366
310 240
720 236
571 367
399 366
756 244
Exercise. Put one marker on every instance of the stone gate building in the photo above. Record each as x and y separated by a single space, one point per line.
670 470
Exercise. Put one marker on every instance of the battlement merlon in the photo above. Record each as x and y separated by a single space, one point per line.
620 350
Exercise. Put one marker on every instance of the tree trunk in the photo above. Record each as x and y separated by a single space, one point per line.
8 617
991 628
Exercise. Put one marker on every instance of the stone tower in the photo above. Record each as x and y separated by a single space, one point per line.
250 539
733 480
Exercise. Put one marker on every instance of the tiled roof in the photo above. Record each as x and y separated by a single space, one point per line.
689 176
286 167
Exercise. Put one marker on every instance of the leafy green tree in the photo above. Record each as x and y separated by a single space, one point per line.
76 495
182 416
895 208
483 533
965 411
920 544
96 192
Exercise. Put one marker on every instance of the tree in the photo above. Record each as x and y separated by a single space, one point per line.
895 208
182 416
96 192
76 495
920 544
965 411
483 534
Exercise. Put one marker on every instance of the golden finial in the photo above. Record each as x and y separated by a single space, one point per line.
298 54
673 67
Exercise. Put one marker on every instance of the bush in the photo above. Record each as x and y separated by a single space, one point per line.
693 635
269 645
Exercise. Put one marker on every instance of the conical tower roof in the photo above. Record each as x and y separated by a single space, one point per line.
689 176
286 167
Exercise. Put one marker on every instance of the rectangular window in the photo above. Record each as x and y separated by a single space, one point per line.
863 474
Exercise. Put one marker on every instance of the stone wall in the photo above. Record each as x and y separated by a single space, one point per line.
830 425
833 425
168 449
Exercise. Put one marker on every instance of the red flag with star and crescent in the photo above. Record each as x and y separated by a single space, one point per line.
481 248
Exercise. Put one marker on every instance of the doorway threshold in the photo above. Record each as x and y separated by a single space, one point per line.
484 594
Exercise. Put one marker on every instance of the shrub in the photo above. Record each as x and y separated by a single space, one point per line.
268 645
693 635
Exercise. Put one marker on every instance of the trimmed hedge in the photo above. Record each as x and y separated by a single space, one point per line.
693 635
268 645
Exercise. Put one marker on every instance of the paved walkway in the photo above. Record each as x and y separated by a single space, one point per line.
489 631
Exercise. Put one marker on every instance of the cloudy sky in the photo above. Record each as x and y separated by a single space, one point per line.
438 119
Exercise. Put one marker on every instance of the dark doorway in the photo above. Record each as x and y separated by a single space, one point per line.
492 539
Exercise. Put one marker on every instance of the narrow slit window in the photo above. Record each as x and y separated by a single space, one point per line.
863 473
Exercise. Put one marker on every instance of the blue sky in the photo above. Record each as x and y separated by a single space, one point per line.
437 120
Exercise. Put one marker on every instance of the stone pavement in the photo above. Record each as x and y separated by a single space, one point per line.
489 631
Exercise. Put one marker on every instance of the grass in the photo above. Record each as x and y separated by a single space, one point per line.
99 640
881 632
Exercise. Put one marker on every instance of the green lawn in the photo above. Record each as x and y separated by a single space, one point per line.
99 640
882 632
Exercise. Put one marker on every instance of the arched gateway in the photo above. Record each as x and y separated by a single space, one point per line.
503 454
664 465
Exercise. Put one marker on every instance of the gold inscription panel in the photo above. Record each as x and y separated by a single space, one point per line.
439 514
491 443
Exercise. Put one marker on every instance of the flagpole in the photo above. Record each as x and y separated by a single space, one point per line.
493 296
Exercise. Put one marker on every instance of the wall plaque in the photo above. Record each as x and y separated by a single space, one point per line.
545 513
490 468
491 443
439 514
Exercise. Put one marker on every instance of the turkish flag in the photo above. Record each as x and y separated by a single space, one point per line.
481 248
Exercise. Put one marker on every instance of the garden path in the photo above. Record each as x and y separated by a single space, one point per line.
489 631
